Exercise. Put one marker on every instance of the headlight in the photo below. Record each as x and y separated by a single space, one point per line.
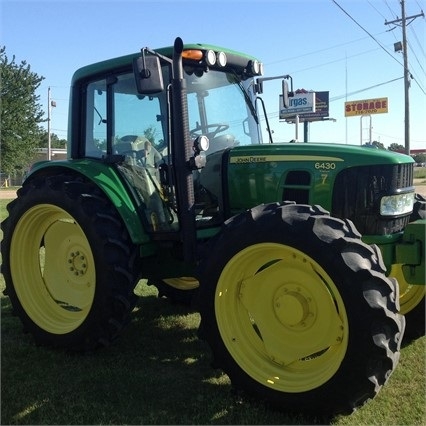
395 205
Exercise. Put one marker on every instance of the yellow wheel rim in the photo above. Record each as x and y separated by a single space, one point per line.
281 317
183 283
409 295
53 269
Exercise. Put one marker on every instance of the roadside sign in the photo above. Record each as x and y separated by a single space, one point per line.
366 107
300 103
321 109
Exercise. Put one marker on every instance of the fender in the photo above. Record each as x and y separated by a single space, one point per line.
405 248
109 181
411 252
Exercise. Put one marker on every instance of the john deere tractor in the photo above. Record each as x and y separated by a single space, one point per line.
302 258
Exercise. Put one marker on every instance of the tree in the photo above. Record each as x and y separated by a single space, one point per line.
419 158
55 142
396 147
375 144
378 144
21 114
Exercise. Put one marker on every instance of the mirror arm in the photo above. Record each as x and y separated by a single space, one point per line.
153 52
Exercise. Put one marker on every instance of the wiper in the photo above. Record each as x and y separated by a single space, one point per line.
248 100
102 120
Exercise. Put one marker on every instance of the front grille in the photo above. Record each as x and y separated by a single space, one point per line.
357 193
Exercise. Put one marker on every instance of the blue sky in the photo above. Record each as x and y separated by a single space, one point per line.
312 40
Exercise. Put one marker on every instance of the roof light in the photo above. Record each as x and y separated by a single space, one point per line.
210 58
255 67
195 55
221 58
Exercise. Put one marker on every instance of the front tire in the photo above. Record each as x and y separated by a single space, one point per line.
297 309
68 263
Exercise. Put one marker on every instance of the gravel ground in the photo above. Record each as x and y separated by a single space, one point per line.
6 194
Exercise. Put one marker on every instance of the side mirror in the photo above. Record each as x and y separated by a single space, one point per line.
148 75
285 93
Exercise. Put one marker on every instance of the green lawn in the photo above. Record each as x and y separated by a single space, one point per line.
420 172
160 373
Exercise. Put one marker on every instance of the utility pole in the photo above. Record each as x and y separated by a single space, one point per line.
50 104
407 74
49 144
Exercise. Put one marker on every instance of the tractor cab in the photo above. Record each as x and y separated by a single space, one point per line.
128 121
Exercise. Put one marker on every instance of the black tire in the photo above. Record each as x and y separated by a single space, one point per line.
180 291
297 309
419 208
68 262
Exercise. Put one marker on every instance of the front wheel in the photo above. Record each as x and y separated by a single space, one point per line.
297 309
68 263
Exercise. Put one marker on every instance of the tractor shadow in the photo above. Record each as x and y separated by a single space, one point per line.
158 372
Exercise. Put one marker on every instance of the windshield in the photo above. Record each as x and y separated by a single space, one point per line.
219 109
218 106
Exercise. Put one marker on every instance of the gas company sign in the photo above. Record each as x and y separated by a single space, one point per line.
366 107
300 103
321 110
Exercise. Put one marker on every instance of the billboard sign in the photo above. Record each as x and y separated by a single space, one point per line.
366 107
300 103
321 109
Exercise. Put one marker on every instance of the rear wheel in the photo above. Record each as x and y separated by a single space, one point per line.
68 263
181 290
298 311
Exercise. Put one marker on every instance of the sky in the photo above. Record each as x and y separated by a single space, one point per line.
349 53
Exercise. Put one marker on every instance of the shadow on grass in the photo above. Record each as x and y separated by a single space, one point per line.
157 373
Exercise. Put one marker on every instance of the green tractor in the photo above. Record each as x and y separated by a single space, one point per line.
301 258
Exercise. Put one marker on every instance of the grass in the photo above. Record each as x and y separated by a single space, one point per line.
160 373
420 173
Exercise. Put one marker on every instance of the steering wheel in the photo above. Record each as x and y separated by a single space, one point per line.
217 128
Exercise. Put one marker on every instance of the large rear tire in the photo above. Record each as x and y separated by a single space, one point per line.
297 309
68 263
180 290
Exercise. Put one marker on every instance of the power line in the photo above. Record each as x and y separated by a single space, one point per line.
417 59
374 7
316 51
417 40
335 98
371 36
390 10
403 23
407 74
332 62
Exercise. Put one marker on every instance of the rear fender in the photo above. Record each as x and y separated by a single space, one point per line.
109 181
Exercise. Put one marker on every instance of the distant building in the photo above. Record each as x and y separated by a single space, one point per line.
56 154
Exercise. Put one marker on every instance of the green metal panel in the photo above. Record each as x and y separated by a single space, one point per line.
108 180
126 60
258 174
411 252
